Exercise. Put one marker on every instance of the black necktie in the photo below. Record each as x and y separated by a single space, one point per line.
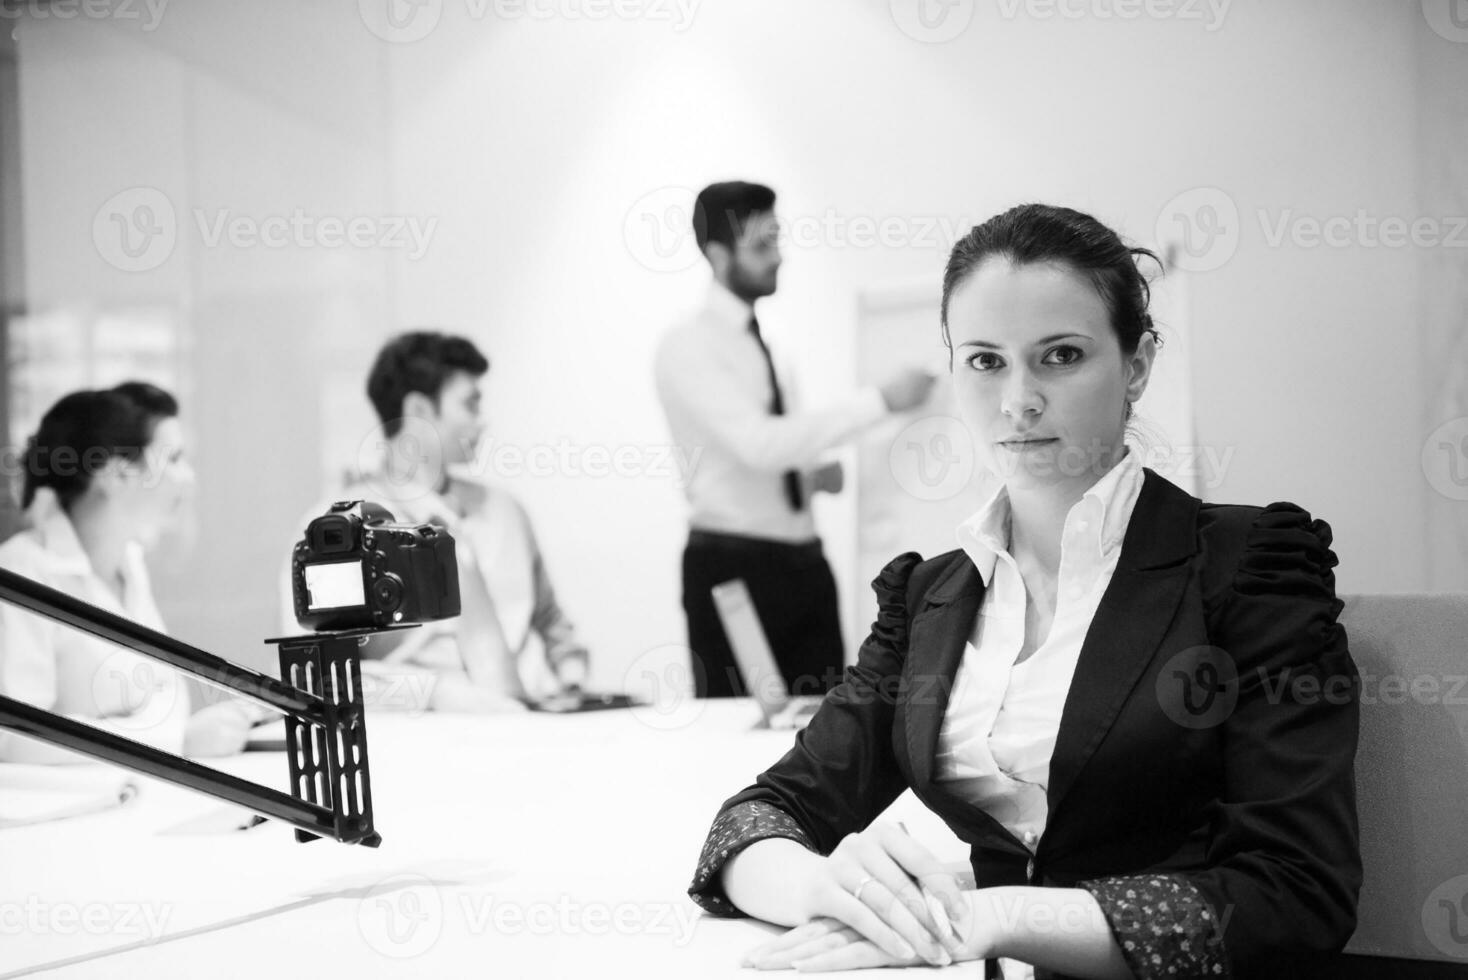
777 407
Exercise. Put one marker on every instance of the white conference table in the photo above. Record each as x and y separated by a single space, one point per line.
523 846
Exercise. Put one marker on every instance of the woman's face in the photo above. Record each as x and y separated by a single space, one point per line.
151 492
1040 376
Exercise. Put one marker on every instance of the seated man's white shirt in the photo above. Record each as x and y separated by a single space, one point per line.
74 673
998 734
505 593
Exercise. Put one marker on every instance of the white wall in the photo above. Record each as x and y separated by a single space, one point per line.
533 139
542 147
1442 187
218 111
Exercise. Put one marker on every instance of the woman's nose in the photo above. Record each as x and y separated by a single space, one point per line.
1021 395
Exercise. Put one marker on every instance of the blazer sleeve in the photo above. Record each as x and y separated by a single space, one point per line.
1283 868
842 771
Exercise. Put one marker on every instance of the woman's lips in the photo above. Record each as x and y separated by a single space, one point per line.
1021 445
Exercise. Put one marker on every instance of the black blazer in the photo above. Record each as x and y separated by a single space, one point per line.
1209 733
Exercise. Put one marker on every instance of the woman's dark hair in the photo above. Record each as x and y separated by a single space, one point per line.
85 429
1033 233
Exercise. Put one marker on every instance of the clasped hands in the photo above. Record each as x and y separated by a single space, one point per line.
880 899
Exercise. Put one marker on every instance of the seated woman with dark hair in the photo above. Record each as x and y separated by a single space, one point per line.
105 475
1097 691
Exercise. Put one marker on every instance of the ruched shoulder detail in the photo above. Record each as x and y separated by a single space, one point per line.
891 587
1287 553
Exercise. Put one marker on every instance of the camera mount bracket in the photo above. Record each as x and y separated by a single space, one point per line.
320 696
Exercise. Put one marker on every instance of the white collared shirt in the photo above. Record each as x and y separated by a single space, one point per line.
999 731
508 602
73 673
715 389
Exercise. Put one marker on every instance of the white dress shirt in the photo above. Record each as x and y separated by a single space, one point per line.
508 603
999 731
715 389
73 673
1002 720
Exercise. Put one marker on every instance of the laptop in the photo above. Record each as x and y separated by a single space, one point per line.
757 661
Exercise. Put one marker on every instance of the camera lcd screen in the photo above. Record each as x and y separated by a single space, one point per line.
335 584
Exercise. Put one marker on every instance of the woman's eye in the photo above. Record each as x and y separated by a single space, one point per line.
984 361
1063 355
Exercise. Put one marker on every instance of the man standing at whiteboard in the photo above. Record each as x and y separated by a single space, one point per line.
757 456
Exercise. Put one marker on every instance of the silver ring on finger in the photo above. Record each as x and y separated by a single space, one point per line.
862 884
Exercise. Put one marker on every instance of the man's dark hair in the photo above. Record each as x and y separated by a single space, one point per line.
721 210
420 361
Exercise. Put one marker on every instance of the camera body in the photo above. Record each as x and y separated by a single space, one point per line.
356 568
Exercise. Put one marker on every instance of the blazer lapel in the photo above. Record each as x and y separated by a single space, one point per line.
937 636
1129 625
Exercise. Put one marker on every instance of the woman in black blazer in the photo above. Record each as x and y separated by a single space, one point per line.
1197 814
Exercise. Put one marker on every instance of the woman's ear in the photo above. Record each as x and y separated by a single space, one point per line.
108 478
1139 366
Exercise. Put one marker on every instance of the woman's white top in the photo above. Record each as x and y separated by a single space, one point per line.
999 730
73 673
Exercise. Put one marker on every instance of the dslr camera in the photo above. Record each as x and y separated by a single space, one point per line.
358 569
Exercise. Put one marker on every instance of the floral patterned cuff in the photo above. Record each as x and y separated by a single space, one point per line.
735 829
1162 923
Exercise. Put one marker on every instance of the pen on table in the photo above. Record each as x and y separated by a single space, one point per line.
113 798
945 925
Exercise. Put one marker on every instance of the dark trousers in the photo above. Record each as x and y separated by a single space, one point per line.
794 594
